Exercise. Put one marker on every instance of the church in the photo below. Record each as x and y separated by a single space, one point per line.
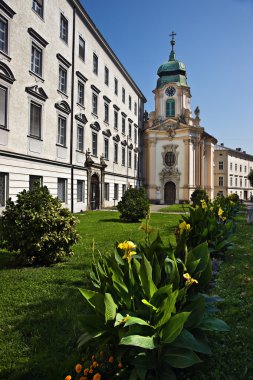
178 152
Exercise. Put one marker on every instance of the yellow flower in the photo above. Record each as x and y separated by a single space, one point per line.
189 280
211 209
97 376
220 212
127 246
184 226
111 359
78 368
203 203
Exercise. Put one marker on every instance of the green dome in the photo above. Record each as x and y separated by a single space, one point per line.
172 71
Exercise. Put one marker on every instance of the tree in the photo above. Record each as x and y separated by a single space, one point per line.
134 205
38 227
250 177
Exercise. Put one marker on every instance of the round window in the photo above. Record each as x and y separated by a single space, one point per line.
170 158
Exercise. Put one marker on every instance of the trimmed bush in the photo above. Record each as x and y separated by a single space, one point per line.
38 227
197 196
134 205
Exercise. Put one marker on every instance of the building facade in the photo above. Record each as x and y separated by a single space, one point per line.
179 153
232 167
70 114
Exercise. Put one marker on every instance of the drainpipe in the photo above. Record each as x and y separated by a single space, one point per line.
72 109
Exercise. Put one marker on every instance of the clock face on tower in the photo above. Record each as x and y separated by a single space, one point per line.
170 91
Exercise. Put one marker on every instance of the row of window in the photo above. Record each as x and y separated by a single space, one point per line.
235 167
62 192
36 59
234 183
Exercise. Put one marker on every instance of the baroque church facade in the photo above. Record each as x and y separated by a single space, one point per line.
178 153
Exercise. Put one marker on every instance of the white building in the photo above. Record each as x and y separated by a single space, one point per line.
232 167
70 114
178 152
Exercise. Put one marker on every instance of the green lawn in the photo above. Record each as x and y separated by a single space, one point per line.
41 308
175 208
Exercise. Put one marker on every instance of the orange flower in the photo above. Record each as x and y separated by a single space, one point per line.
78 368
93 357
68 377
101 354
95 364
86 371
91 370
97 376
83 378
120 365
111 359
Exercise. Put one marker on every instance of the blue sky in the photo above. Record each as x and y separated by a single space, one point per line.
215 41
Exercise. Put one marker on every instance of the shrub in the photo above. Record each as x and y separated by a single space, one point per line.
38 227
134 205
250 177
234 198
197 196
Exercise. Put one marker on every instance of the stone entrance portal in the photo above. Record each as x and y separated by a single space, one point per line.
94 192
169 193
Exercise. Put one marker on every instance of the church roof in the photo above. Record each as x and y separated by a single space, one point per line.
172 70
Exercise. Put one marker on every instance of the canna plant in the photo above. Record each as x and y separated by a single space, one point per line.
148 305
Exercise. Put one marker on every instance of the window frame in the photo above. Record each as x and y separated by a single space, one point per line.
135 108
130 130
106 73
60 88
116 120
80 138
39 106
116 153
221 165
170 108
94 143
6 96
4 195
59 131
33 179
130 159
80 84
116 192
94 104
106 148
106 112
95 64
116 86
6 41
33 66
123 95
80 48
123 125
123 156
64 182
80 185
106 191
130 102
135 161
62 37
39 13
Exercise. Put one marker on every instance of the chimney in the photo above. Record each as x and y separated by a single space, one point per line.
221 144
238 149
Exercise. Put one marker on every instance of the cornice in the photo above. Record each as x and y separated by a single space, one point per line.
63 60
37 37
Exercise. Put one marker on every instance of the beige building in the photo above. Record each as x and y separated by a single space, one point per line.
70 114
232 167
178 152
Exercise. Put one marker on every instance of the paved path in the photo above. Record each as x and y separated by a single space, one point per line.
157 208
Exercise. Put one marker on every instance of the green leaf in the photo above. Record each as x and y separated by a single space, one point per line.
160 295
214 324
156 271
145 274
146 342
145 302
197 308
134 320
96 300
189 341
110 307
87 337
200 252
173 327
181 358
163 313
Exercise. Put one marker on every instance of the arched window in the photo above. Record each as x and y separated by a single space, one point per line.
170 107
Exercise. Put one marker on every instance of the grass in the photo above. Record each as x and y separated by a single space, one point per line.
175 208
41 308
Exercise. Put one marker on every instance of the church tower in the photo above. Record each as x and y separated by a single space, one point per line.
178 152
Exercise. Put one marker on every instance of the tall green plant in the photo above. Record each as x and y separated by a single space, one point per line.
146 303
38 227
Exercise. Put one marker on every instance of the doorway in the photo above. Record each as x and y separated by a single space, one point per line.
170 193
94 195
